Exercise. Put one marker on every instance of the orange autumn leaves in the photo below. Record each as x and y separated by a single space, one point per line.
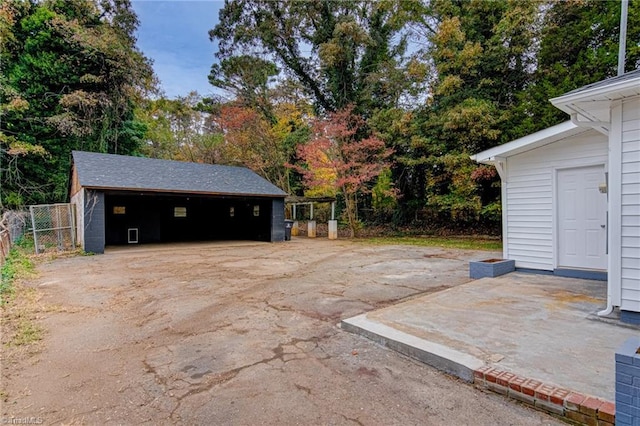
342 156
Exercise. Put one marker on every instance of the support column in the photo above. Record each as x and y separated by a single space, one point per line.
311 229
333 229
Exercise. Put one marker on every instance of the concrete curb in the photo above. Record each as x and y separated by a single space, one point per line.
575 406
441 357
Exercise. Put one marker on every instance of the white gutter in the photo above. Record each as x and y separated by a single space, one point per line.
600 126
595 93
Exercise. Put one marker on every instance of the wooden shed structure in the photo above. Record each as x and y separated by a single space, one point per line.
134 200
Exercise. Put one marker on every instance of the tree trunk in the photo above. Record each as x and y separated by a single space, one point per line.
350 206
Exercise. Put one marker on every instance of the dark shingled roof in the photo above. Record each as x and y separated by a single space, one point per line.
108 171
618 79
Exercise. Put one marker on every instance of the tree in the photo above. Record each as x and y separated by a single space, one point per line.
578 45
73 68
342 53
248 78
251 141
180 129
340 157
436 81
483 57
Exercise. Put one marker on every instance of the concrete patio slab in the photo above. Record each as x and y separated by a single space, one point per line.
537 326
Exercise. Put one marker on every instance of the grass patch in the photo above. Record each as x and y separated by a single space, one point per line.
18 265
26 333
19 303
458 242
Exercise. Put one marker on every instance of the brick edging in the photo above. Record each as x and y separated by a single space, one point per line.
563 402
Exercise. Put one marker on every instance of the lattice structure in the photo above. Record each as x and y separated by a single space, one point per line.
53 227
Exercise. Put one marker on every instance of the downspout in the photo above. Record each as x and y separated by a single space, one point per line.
601 127
609 308
622 43
500 164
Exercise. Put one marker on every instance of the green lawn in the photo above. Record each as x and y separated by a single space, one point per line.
469 243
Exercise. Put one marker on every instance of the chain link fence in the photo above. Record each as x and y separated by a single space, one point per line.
53 227
13 225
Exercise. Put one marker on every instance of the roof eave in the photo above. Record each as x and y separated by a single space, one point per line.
182 192
542 137
565 102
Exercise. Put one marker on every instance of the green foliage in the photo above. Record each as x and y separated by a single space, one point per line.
342 53
248 78
71 77
383 195
454 196
434 81
17 265
578 46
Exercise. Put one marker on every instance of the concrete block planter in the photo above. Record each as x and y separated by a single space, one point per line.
491 268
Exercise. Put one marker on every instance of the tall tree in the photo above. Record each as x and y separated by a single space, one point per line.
74 69
247 78
483 55
180 129
342 53
577 45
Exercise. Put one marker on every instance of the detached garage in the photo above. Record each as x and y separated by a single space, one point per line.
134 200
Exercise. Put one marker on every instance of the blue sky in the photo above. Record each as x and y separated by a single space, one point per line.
174 34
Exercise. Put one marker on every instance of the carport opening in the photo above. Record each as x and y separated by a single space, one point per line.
156 218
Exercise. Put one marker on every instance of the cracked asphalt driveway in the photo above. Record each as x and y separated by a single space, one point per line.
239 333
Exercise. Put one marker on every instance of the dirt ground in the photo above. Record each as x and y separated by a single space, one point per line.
238 333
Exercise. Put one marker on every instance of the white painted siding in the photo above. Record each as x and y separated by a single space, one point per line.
78 201
530 190
630 221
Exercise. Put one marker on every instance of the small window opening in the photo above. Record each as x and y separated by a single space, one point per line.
132 237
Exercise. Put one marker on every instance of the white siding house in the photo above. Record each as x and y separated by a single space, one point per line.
571 192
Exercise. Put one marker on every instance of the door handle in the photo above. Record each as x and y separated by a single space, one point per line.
602 226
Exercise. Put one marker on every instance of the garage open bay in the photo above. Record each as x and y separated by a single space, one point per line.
239 333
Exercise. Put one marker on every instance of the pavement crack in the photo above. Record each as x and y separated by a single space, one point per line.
349 419
303 388
278 308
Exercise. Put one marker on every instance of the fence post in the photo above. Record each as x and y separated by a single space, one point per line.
35 232
72 222
3 253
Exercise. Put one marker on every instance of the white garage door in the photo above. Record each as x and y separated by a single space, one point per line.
582 234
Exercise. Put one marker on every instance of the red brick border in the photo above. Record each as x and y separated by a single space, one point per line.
575 406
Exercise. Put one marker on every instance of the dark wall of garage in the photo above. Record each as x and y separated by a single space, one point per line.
93 211
277 220
166 218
